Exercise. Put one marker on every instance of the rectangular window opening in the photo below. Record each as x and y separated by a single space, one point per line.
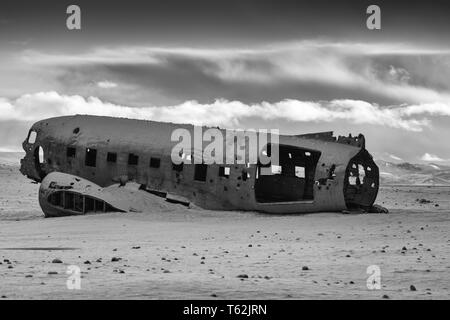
155 162
91 157
200 172
71 152
224 172
133 159
111 157
177 167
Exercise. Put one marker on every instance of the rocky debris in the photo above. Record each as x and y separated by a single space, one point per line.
305 268
242 276
87 262
115 259
385 296
412 288
376 208
136 247
214 295
423 201
57 261
52 272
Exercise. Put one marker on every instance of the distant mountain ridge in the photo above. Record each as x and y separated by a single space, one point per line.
416 174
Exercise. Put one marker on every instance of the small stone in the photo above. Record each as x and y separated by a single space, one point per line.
385 296
214 295
242 276
115 259
305 268
56 261
28 276
87 262
250 246
166 271
52 272
404 249
412 288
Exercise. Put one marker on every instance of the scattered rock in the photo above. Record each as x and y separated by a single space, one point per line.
28 276
87 262
412 288
378 209
214 295
385 296
305 268
136 247
242 276
404 249
115 259
56 261
52 272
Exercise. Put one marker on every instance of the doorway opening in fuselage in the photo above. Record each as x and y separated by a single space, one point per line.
291 180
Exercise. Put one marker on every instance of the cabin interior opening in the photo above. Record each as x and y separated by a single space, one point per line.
290 180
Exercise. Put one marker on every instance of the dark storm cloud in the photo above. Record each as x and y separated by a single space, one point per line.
218 22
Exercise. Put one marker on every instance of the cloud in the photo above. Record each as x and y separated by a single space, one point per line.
37 106
106 84
401 73
392 156
431 158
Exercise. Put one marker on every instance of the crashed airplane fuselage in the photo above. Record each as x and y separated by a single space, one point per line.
316 172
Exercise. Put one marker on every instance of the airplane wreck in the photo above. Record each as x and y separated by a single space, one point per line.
85 163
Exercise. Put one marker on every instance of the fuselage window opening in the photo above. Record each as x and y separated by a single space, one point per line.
155 162
91 157
200 172
224 172
177 167
111 157
71 152
133 159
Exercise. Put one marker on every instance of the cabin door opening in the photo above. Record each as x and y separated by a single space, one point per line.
39 161
291 180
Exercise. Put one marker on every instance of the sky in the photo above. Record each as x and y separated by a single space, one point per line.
296 66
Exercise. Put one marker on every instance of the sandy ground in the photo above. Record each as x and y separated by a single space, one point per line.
197 254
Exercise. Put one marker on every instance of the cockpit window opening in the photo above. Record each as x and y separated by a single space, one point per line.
32 136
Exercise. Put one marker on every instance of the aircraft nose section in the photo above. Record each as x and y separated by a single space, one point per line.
32 164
